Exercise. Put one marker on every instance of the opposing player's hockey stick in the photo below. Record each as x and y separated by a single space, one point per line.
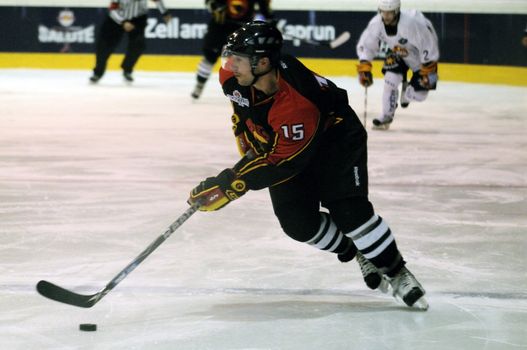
332 44
54 292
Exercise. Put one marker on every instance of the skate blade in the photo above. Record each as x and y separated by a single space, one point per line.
421 304
385 285
381 127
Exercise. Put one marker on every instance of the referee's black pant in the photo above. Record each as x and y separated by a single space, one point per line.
110 34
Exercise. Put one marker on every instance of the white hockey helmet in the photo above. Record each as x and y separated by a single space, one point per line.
389 5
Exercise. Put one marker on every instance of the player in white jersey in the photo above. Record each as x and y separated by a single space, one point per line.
411 43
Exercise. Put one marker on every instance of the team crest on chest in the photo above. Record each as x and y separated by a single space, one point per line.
239 99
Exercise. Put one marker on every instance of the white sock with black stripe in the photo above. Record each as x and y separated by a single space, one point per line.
375 241
204 70
329 238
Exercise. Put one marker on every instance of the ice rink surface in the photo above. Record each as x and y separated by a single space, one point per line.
90 175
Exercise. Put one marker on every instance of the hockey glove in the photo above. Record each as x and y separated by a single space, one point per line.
217 9
216 192
425 78
365 76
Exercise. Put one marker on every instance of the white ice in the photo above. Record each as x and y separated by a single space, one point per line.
90 175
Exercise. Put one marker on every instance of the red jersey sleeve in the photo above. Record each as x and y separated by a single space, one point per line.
225 75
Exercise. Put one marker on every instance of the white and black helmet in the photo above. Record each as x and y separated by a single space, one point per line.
389 5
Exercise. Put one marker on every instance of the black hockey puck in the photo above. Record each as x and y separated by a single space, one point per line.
88 327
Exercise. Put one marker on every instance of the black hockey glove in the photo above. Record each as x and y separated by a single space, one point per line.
365 76
425 78
216 192
218 10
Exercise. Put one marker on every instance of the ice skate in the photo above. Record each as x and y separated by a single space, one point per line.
128 77
408 289
405 102
198 89
94 79
373 278
382 123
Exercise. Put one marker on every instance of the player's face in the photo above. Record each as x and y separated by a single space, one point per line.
240 66
388 17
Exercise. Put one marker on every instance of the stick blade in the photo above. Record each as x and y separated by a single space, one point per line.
341 39
54 292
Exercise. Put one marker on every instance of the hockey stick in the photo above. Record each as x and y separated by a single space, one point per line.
365 104
54 292
332 44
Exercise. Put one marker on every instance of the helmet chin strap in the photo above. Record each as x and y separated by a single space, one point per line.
258 75
254 63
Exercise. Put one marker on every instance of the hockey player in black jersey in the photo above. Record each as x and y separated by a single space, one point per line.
299 138
226 17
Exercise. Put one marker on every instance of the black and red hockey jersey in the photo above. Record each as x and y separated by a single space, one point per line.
283 130
241 10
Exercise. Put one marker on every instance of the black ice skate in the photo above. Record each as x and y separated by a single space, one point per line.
94 79
372 277
408 289
198 89
128 77
382 123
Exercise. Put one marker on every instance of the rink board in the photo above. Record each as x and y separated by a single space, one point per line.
505 75
473 38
